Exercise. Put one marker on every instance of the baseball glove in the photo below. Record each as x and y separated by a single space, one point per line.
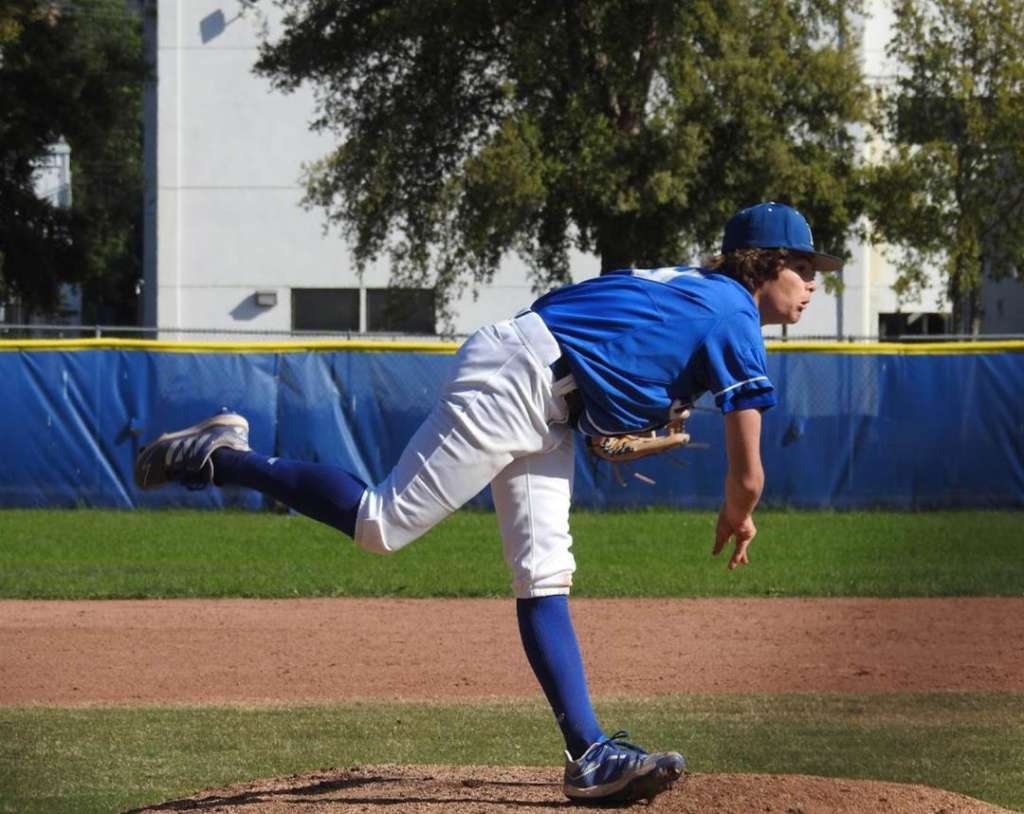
620 448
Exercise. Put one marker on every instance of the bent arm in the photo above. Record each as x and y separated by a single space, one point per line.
744 483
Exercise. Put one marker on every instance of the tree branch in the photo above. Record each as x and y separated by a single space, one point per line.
593 64
643 75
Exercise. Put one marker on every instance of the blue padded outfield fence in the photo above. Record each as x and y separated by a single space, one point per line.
857 426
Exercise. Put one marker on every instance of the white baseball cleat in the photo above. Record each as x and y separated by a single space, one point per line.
614 772
184 456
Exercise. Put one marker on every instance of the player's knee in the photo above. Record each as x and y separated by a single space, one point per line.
384 526
530 586
370 537
374 543
378 533
374 549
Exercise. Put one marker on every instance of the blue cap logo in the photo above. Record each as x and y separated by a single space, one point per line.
775 226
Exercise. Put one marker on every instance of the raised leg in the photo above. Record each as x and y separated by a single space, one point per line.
326 493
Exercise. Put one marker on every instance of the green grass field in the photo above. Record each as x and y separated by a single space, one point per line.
112 759
104 554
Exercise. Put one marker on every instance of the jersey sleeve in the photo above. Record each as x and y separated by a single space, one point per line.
735 364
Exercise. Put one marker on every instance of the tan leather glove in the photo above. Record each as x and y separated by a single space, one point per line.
620 448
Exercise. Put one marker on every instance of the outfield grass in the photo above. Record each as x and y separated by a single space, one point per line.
657 553
112 759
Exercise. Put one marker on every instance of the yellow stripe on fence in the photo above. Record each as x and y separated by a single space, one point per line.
900 348
292 346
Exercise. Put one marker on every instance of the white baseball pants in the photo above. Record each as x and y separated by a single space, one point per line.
501 419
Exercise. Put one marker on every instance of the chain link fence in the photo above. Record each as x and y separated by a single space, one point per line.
35 331
43 331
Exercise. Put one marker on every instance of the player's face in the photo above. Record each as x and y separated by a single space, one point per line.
782 301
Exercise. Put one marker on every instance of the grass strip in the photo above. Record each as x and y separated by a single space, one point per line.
83 554
110 759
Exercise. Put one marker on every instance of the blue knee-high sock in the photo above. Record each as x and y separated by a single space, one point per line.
325 493
554 654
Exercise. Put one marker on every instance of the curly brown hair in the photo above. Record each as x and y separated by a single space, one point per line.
751 268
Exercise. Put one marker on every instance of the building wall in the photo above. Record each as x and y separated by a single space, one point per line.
226 158
1003 305
225 154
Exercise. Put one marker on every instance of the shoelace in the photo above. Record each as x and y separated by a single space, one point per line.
617 741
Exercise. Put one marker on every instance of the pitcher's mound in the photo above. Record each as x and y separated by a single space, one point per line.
501 790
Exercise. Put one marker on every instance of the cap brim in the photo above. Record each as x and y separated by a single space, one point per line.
826 262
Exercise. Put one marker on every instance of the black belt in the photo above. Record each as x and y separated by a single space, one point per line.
560 368
573 400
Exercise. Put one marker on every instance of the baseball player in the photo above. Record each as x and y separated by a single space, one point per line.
612 356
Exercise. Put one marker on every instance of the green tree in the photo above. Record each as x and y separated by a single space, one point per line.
72 71
628 128
950 190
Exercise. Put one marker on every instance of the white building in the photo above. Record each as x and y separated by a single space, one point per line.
228 245
52 176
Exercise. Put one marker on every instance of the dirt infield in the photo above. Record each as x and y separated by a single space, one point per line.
200 651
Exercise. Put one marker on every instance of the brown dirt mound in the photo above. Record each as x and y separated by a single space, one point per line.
490 790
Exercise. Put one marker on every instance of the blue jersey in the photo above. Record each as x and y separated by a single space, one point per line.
644 344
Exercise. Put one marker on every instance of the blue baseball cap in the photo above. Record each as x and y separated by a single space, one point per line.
775 226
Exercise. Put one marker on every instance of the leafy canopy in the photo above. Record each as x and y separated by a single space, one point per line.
469 128
950 191
71 70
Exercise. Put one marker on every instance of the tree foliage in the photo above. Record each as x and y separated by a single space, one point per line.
950 191
627 128
71 70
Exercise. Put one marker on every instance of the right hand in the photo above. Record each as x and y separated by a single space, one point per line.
741 528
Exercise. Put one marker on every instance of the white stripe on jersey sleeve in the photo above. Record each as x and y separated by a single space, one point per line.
740 384
665 275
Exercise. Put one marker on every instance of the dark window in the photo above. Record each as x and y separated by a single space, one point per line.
920 323
401 310
325 309
920 119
